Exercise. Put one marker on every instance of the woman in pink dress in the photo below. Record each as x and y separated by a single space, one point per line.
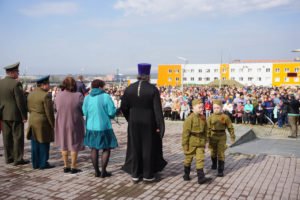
69 123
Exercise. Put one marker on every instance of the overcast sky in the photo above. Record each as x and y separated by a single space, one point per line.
99 36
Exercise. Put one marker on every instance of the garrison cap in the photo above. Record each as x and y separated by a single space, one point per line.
144 68
12 67
196 101
218 102
44 79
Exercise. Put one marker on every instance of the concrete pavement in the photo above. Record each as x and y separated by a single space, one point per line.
248 175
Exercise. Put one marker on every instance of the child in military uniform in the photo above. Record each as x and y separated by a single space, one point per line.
194 137
218 122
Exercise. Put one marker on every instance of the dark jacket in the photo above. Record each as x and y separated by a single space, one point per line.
12 100
293 106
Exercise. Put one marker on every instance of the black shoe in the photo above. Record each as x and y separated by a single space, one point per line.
105 174
201 177
291 136
75 171
97 174
9 161
21 162
220 168
67 169
48 166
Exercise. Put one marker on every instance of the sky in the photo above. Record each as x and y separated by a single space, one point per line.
101 36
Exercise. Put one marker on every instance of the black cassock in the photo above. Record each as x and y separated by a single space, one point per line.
142 109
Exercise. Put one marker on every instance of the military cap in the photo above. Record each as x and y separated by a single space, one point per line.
218 102
44 79
196 101
144 68
12 67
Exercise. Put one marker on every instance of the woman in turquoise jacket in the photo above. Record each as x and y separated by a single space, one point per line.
99 109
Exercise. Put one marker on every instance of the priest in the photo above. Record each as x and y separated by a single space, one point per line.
141 106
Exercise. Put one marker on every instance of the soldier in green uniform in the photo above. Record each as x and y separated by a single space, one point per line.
218 122
41 124
194 137
13 114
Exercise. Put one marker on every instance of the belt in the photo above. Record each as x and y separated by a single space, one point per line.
195 134
219 132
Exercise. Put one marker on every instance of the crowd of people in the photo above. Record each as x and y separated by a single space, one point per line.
248 105
73 116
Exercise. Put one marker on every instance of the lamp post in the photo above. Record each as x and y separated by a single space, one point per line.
182 70
296 51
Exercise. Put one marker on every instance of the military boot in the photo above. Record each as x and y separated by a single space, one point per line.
214 163
186 175
220 168
201 177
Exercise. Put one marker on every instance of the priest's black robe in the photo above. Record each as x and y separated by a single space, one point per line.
142 109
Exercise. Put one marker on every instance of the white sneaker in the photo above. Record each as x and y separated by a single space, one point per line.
135 179
149 179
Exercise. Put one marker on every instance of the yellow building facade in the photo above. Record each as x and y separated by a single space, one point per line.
286 74
169 75
224 71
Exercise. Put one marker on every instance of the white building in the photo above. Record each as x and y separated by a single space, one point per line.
251 73
200 73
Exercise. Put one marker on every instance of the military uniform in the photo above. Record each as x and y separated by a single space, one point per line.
41 125
194 137
13 112
217 125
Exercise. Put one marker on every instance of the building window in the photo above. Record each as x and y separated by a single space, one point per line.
200 79
232 78
224 70
277 79
259 70
184 79
259 78
268 69
207 79
249 70
216 70
286 69
177 79
277 70
200 70
184 71
169 79
232 70
207 70
286 79
170 71
296 79
250 78
223 78
192 78
215 78
241 70
241 78
192 70
176 71
296 69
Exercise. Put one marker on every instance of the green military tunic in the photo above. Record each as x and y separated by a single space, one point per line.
13 111
194 137
217 125
41 118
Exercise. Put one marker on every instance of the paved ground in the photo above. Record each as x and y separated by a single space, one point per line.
247 176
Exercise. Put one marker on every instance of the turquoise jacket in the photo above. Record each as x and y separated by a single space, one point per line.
248 107
99 109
